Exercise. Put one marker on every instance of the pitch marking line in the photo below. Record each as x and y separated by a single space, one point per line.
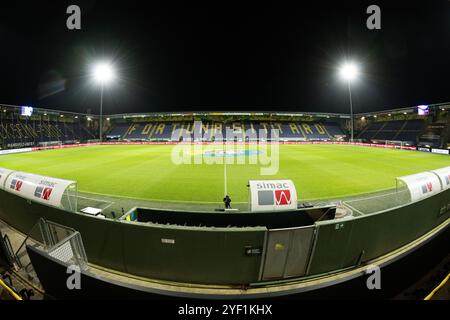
109 203
352 208
95 199
373 197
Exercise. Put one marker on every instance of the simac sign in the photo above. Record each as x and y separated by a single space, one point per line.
272 195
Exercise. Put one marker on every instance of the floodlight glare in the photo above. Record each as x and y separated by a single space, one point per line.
349 71
103 73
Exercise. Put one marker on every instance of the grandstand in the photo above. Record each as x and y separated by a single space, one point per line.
435 135
400 130
44 128
50 127
163 131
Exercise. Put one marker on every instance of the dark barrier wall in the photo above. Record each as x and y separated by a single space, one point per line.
53 277
270 220
199 255
340 245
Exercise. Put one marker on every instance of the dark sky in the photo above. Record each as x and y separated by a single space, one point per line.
175 56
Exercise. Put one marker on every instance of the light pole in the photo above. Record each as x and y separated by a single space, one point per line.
103 74
349 72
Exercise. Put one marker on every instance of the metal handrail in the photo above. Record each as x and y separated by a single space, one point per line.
10 291
439 287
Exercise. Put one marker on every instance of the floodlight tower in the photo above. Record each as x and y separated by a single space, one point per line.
349 72
103 74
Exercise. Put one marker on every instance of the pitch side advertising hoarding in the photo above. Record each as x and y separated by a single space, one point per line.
440 151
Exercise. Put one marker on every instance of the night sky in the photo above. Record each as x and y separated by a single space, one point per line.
174 56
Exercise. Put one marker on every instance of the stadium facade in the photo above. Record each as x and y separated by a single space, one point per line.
188 253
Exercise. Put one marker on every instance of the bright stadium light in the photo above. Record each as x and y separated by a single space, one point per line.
103 73
349 72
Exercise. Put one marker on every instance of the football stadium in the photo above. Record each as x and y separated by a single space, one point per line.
225 158
305 201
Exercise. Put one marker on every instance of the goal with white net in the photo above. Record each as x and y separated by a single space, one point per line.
395 144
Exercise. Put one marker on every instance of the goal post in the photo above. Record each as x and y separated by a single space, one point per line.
394 144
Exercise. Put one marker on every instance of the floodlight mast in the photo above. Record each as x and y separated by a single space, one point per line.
349 72
103 74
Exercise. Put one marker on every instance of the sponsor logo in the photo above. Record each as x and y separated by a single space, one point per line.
43 193
16 185
274 197
423 149
265 198
283 197
426 188
272 185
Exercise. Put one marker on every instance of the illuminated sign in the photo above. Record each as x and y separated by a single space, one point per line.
27 111
423 110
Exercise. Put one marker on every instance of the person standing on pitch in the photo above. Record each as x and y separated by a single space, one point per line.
227 201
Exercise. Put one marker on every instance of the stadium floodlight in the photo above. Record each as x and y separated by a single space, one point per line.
103 73
349 72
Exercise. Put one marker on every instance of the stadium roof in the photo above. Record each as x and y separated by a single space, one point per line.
404 110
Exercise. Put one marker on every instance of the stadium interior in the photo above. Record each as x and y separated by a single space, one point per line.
161 211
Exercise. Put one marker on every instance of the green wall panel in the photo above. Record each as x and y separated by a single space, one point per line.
206 255
375 234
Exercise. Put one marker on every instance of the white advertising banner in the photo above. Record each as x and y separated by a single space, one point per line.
11 151
440 151
4 173
422 185
272 195
444 175
37 188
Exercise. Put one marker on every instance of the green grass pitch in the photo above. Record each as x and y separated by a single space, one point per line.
147 172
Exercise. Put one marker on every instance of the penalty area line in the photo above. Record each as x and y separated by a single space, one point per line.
353 208
108 203
81 197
